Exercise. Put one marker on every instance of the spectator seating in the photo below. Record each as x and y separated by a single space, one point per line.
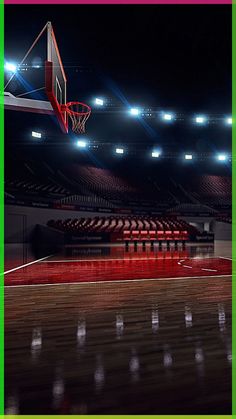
129 228
86 184
210 190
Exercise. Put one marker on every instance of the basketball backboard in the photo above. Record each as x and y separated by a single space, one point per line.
52 77
55 79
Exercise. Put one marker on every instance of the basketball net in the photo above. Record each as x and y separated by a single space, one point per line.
79 113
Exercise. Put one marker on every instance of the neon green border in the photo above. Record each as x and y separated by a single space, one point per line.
233 246
1 211
234 206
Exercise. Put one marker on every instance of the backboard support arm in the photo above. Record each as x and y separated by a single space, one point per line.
13 103
52 98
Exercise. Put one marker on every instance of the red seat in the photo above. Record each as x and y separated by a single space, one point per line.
144 235
135 235
160 235
184 235
126 235
169 235
152 235
177 235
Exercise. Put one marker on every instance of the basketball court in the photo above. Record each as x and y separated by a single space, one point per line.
104 323
135 327
94 264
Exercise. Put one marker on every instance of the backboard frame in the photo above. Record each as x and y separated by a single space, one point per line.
52 82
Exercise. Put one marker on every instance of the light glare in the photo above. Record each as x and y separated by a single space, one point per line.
81 144
156 154
188 157
200 119
135 111
167 117
119 150
99 101
36 134
222 157
10 67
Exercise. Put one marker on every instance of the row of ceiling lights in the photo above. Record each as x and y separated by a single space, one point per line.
165 116
84 144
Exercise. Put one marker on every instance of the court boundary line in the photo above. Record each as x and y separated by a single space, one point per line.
120 281
25 265
104 260
128 259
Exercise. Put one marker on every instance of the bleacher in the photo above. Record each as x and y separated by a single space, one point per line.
128 229
93 186
211 190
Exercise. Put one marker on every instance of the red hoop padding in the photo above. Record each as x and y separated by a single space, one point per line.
79 113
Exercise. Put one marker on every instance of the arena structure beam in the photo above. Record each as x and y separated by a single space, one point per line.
14 103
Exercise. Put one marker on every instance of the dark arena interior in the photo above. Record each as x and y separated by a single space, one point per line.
118 239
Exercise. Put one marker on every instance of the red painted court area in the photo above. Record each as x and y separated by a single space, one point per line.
117 267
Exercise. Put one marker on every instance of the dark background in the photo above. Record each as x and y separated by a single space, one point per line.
175 58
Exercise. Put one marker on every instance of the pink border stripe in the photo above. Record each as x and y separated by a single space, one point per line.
118 2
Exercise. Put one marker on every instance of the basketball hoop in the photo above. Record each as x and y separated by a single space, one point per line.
79 113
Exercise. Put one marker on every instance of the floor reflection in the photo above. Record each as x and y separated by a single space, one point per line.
133 348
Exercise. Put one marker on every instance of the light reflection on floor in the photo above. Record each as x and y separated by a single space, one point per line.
148 347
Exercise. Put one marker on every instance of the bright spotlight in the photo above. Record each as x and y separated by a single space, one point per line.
200 119
81 144
222 157
188 156
99 101
10 67
167 117
36 134
156 154
119 151
134 111
229 121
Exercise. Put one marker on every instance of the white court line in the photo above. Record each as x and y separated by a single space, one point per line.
135 259
125 259
27 264
106 260
117 281
202 269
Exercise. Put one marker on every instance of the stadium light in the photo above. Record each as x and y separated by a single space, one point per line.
229 121
200 119
188 156
222 157
99 101
36 134
167 117
134 111
11 67
119 151
156 154
81 144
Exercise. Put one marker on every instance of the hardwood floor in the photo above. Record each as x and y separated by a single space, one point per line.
117 264
119 348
